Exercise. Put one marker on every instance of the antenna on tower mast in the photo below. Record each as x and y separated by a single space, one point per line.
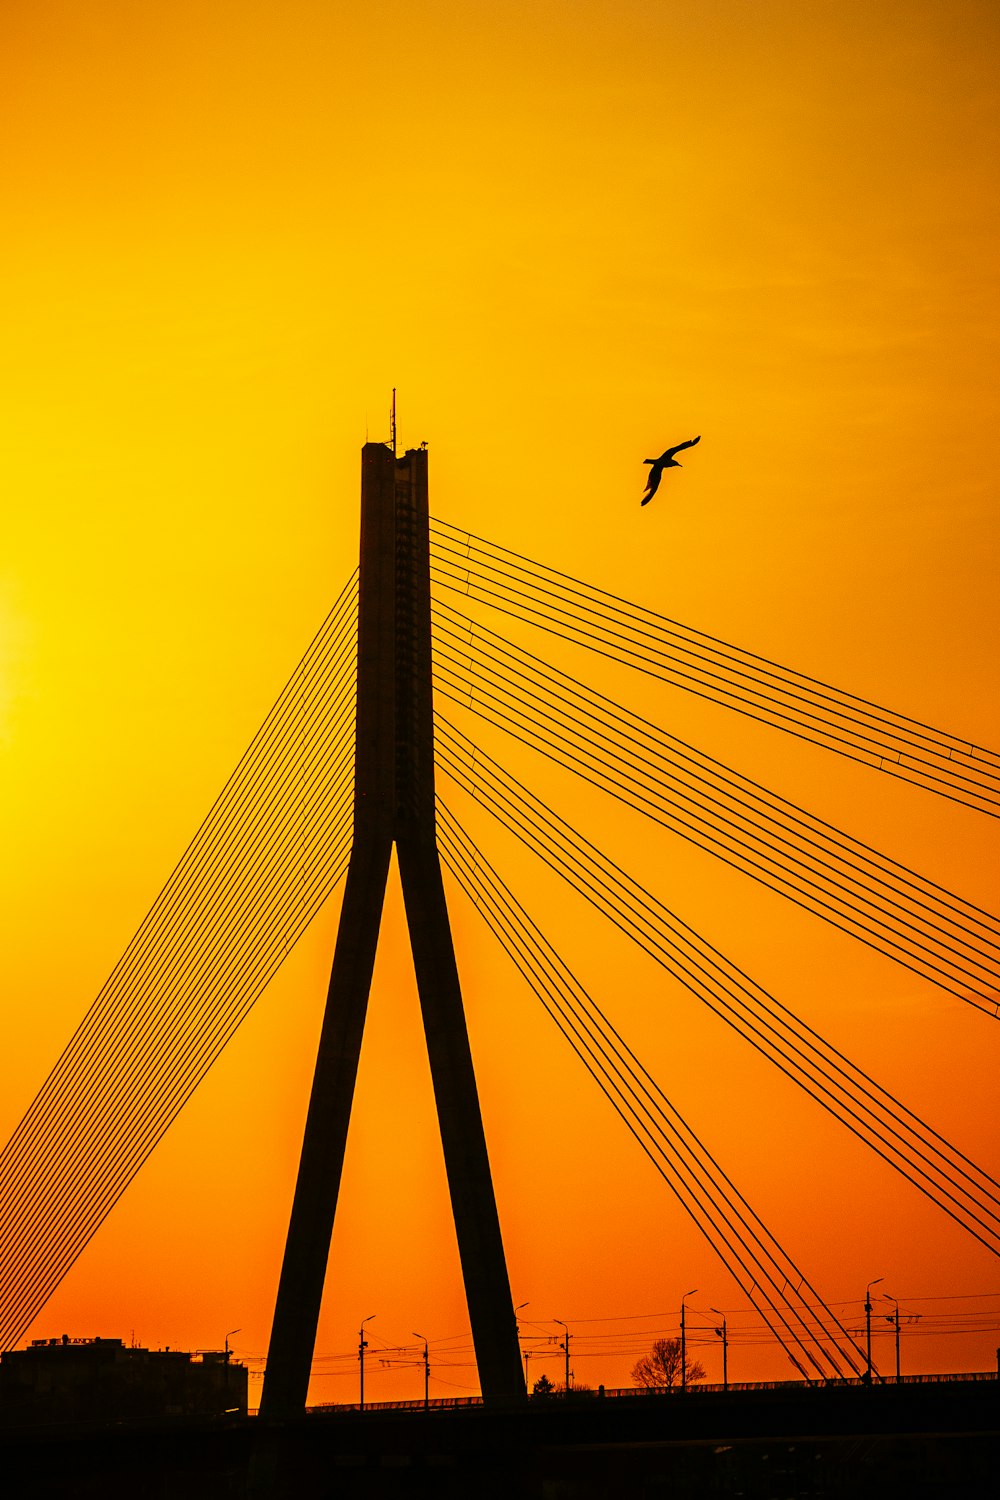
392 421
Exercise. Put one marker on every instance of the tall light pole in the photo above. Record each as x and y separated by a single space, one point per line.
894 1319
723 1334
427 1372
362 1346
684 1363
565 1346
228 1337
868 1325
517 1330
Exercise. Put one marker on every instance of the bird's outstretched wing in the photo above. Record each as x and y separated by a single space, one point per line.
680 448
653 483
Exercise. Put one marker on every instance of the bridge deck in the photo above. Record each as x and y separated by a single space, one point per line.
937 1439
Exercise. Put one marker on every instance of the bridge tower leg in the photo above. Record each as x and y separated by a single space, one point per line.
393 804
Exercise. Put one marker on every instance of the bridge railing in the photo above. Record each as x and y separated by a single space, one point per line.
653 1393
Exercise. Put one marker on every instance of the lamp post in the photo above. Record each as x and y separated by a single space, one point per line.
517 1330
868 1326
565 1347
894 1319
684 1363
362 1346
228 1337
427 1372
723 1334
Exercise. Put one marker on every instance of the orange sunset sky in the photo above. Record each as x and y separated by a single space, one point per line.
570 234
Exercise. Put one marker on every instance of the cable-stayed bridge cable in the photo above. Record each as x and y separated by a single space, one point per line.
239 791
251 808
246 836
302 745
57 1252
226 960
662 648
885 905
963 1190
174 1035
758 1263
227 1013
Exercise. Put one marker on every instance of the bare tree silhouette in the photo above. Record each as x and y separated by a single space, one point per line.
660 1369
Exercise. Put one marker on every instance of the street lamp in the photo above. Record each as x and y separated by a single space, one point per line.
517 1330
427 1372
894 1319
228 1337
362 1346
868 1324
565 1347
724 1336
684 1365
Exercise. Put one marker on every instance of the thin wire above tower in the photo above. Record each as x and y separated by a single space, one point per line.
393 804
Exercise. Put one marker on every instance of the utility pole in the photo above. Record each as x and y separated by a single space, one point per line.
393 805
427 1373
684 1363
868 1327
362 1346
517 1326
565 1347
894 1319
722 1333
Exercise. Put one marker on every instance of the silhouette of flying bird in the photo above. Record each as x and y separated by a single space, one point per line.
665 461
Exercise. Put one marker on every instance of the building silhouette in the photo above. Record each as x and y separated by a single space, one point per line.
104 1380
